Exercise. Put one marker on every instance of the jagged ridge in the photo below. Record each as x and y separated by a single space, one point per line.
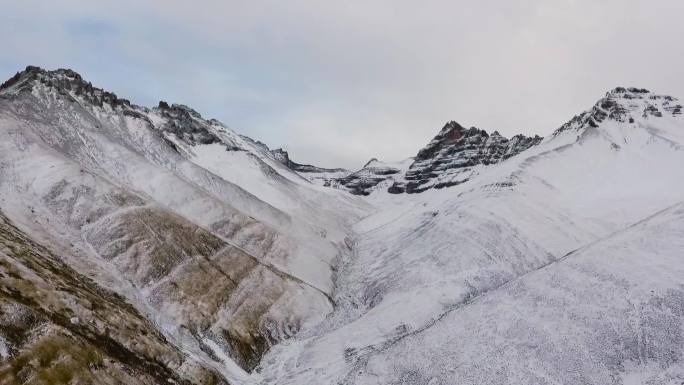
453 152
63 81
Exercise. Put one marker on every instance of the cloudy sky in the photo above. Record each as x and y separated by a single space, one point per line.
339 82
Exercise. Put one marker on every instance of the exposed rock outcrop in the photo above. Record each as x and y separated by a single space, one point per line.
446 160
365 180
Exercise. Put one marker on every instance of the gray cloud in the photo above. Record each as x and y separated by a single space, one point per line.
339 82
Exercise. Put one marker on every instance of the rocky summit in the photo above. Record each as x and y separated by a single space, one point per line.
625 105
454 155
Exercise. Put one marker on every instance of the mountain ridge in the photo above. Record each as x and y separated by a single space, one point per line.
423 174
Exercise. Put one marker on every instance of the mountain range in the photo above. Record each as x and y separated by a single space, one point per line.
155 246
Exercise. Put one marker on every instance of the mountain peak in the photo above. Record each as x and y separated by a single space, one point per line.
624 105
33 73
452 156
63 81
181 120
450 134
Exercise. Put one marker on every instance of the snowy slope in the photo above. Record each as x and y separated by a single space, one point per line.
424 257
104 184
609 312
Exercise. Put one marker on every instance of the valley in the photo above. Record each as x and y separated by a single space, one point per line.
212 259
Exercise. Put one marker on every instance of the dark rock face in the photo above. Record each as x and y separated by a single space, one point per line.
456 149
186 123
283 157
363 181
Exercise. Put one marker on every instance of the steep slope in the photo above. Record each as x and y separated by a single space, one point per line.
58 327
136 200
404 305
610 312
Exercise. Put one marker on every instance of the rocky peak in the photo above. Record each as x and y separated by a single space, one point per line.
450 157
187 124
181 120
64 82
451 134
624 105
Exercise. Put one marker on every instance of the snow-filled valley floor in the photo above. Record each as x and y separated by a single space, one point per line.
208 259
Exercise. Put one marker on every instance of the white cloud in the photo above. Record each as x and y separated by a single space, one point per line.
340 82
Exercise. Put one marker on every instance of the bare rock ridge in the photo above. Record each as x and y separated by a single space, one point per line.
455 150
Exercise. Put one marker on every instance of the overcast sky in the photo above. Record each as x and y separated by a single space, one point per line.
338 82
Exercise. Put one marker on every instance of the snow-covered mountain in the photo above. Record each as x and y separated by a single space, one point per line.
559 265
163 247
224 248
